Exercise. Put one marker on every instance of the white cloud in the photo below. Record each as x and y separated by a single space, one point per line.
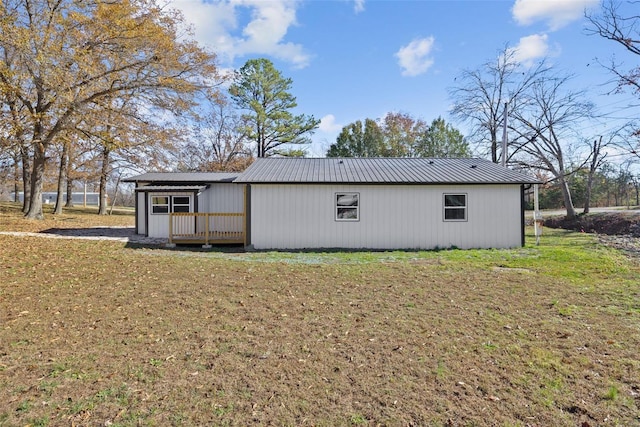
414 58
531 48
358 6
216 26
328 124
557 13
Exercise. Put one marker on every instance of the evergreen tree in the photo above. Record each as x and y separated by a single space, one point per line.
262 91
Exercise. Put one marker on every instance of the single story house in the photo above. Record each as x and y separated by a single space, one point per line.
349 203
160 194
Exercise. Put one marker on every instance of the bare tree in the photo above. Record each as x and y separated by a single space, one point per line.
620 22
220 142
546 124
596 158
480 96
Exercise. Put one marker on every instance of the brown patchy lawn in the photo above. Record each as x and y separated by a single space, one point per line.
99 334
11 219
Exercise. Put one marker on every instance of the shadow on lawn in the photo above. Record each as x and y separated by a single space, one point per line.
104 232
187 248
133 240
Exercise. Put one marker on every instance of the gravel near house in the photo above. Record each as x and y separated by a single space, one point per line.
628 243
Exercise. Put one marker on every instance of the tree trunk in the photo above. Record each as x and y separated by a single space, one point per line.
566 195
494 147
102 209
587 195
61 179
16 181
115 194
26 178
37 179
595 154
69 201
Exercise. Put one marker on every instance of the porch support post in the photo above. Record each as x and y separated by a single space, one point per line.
206 232
170 244
537 215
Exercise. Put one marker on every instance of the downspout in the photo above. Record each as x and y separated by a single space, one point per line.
522 211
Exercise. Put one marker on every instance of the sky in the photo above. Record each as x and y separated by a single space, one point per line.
356 59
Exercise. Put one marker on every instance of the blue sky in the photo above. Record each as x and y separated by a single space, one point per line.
356 59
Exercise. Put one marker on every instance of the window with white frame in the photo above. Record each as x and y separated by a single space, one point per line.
455 207
347 206
181 204
160 204
166 204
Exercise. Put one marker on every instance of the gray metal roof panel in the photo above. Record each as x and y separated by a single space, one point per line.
381 171
166 188
203 177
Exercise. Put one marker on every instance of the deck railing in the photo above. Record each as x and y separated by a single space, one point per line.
206 228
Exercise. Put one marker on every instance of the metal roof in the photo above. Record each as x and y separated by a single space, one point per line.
381 171
171 188
184 177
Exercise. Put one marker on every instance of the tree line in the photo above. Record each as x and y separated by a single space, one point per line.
90 90
548 121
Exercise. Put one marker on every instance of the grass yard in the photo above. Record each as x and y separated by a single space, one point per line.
100 334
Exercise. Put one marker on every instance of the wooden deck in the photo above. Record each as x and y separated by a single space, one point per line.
207 228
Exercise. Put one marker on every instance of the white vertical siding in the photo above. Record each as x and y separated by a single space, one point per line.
219 197
141 213
222 198
391 217
159 223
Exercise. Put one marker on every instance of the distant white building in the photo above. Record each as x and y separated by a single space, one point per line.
50 197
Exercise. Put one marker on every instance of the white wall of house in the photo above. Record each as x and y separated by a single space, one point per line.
159 222
222 198
303 216
219 197
141 213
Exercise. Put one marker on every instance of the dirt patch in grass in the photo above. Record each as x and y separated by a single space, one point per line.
610 223
93 333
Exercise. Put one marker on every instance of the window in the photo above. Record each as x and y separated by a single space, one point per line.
455 207
166 204
160 204
181 203
347 206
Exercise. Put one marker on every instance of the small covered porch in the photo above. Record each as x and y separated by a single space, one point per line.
206 228
191 207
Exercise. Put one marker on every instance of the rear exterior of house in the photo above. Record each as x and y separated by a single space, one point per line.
385 216
329 203
383 204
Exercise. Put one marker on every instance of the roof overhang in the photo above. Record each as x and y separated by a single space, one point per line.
171 188
183 178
